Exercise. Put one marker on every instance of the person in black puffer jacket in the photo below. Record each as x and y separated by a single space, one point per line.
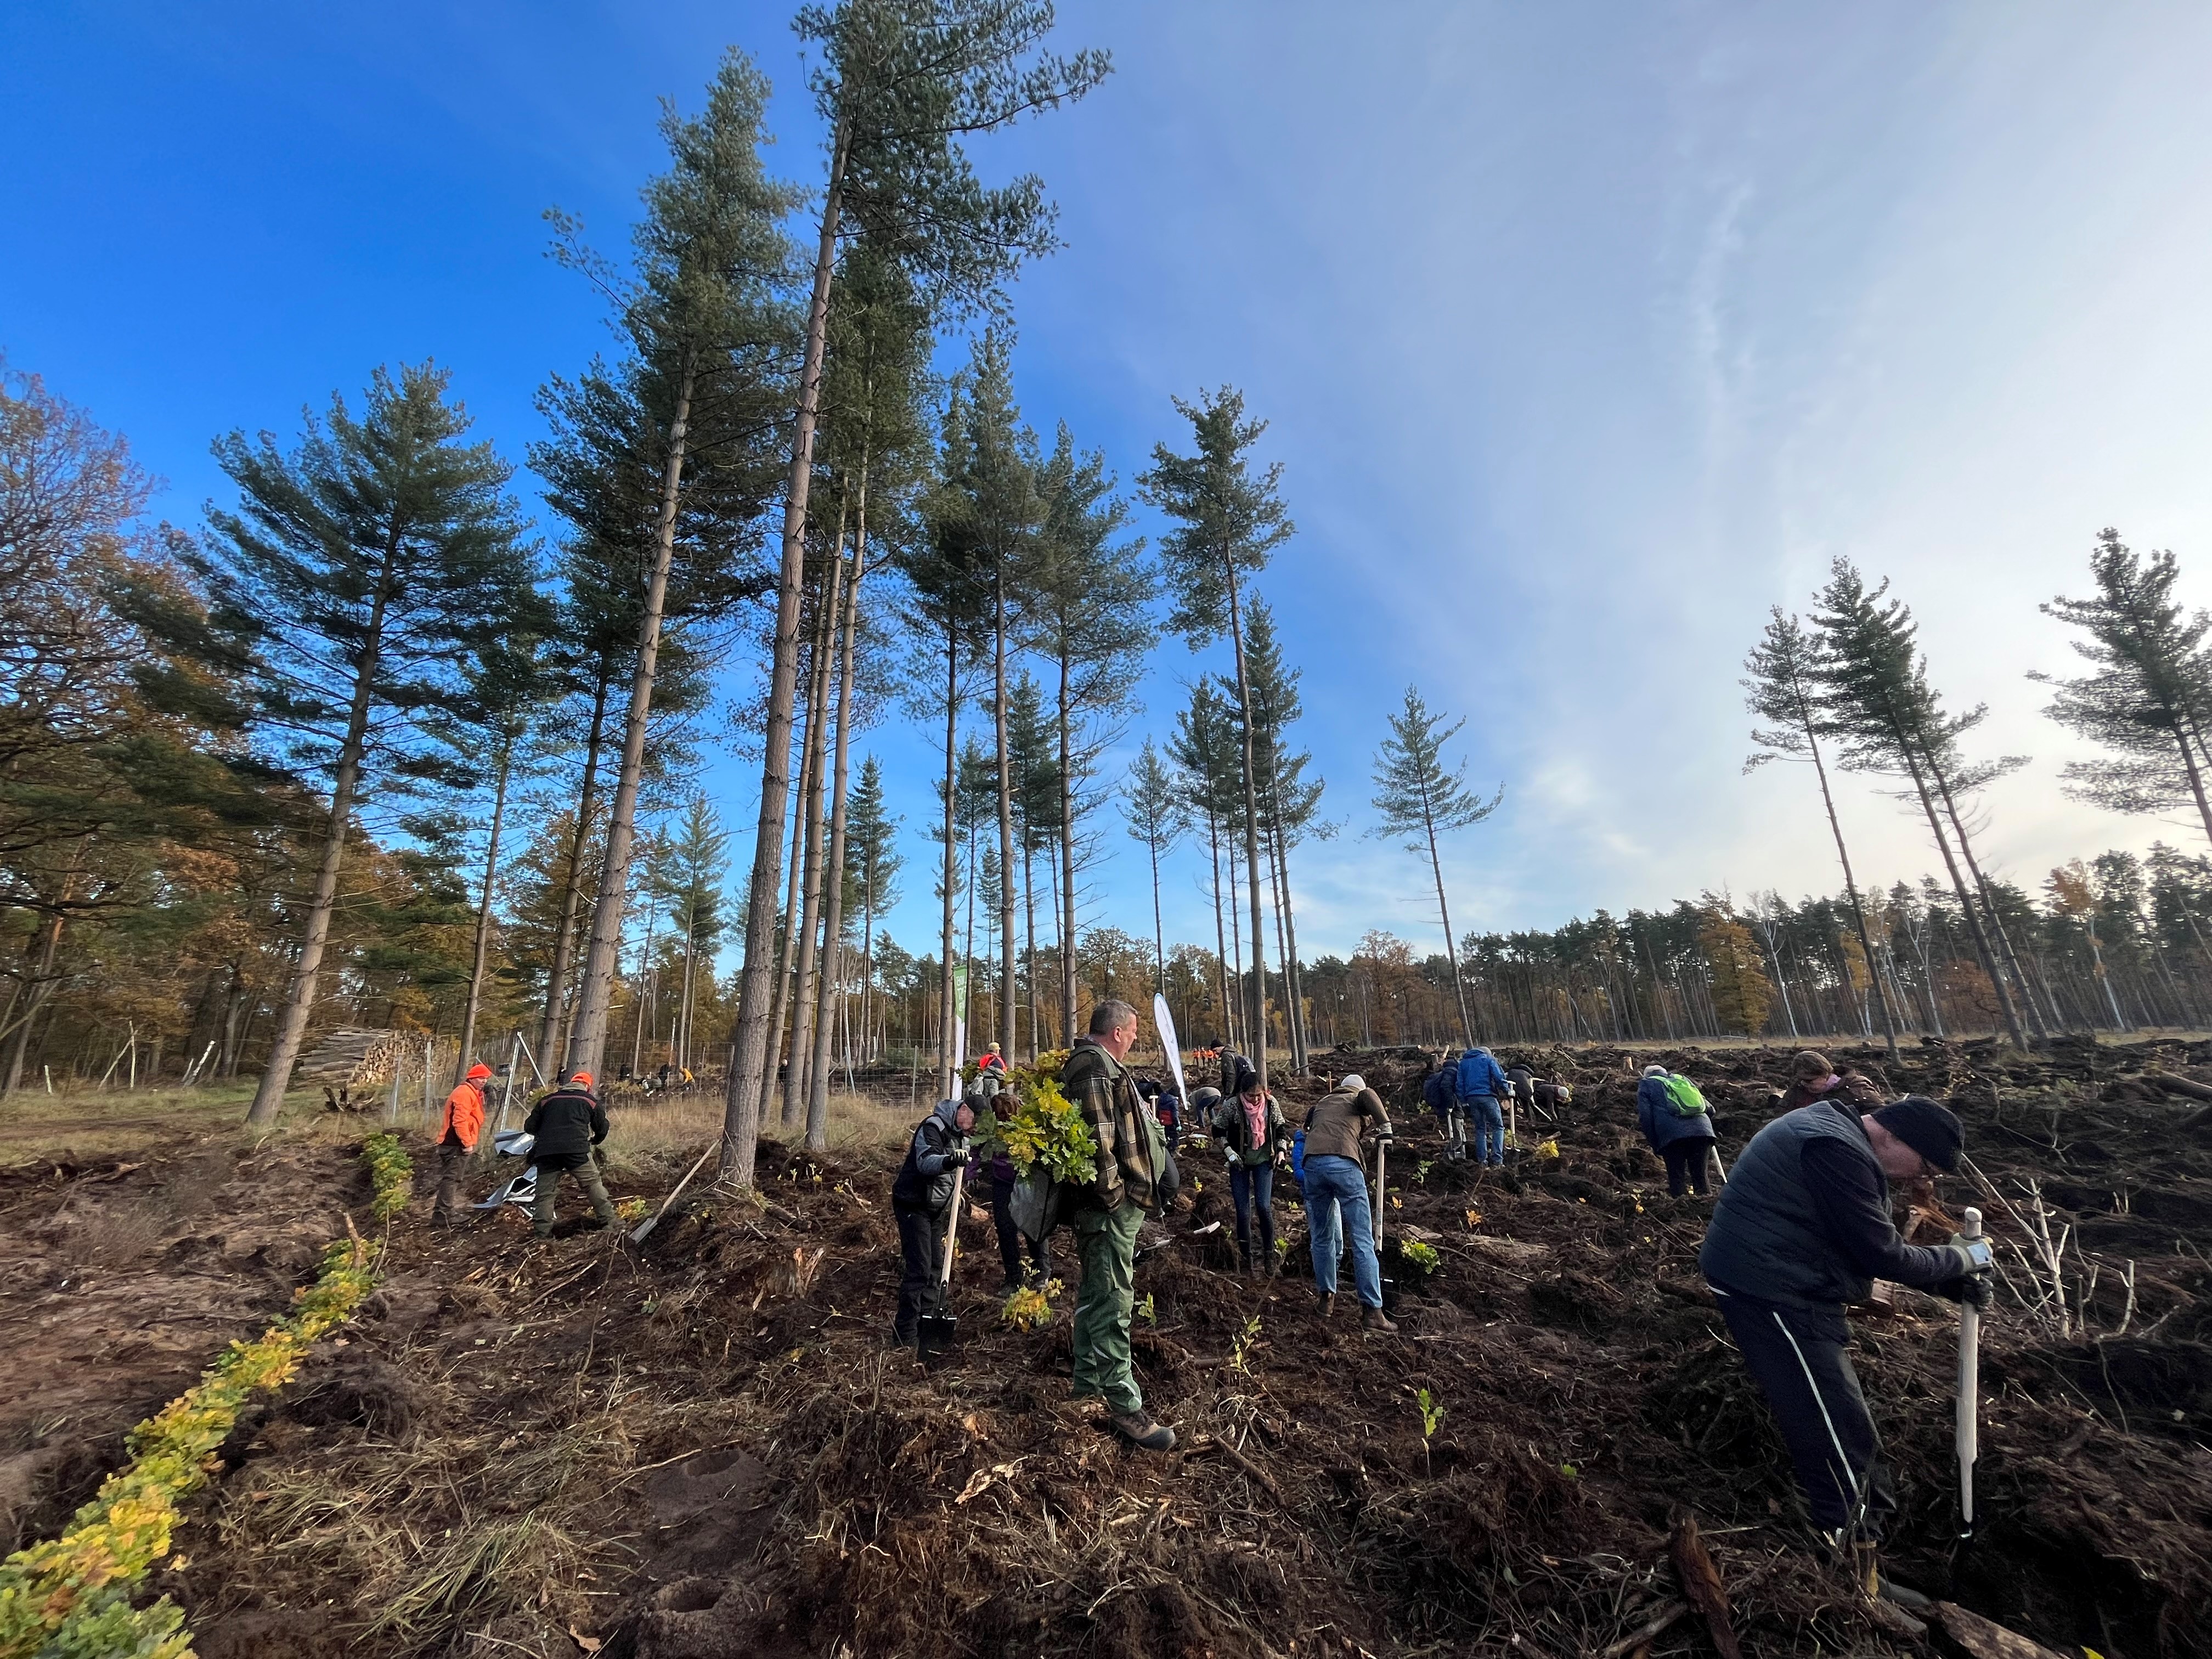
567 1124
920 1198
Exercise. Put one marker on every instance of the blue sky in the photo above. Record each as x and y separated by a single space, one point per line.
1587 332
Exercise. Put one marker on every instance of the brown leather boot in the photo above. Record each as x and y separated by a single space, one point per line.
1327 1303
1374 1319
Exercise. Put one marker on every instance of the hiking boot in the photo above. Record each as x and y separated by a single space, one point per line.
1374 1319
1138 1428
1327 1303
598 1224
1010 1288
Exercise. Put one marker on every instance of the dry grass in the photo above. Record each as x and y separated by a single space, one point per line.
650 1136
119 1122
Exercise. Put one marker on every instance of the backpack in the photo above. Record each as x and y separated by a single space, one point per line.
1682 1095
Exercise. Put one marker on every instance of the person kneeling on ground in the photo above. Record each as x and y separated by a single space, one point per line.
920 1198
1335 1182
1679 1128
567 1124
457 1142
1106 1212
1803 1228
1251 1133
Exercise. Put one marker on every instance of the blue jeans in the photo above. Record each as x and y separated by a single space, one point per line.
1253 1186
1333 1186
1489 1120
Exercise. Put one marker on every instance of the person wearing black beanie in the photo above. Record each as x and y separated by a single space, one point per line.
1803 1229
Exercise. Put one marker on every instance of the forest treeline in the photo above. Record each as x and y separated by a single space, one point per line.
365 747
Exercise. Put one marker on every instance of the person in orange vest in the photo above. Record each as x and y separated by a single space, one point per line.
457 1142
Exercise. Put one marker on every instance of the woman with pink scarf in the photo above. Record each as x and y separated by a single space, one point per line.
1251 1130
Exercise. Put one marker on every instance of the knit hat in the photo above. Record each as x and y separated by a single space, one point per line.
478 1073
1351 1082
1930 1130
1247 1079
1809 1067
1654 1071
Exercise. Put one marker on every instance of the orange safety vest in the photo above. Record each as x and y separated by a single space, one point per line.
464 1115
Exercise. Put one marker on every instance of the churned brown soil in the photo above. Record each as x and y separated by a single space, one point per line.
702 1446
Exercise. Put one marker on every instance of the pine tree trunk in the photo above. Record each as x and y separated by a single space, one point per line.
1066 731
1008 1034
1451 944
2011 958
796 1082
483 916
948 1016
787 934
1301 1041
1851 890
1965 904
1159 929
1029 932
587 1035
742 1112
300 1003
833 933
1259 996
1228 1032
571 880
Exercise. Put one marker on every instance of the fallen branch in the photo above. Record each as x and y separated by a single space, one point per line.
1651 1627
1260 1476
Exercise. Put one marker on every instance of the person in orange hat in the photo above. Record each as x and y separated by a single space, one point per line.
567 1124
457 1142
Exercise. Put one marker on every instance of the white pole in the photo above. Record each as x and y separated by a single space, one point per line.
1970 1355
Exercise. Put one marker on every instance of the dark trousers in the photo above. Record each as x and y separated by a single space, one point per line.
1025 1260
920 1234
1687 1165
452 1167
1253 1188
1801 1363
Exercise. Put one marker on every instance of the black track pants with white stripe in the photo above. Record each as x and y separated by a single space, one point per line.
1801 1362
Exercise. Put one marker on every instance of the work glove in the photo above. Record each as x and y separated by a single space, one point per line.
1972 1288
1386 1134
1974 1254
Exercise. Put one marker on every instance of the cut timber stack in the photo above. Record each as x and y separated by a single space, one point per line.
357 1058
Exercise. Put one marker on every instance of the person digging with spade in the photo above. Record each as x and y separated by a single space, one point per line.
1801 1229
919 1197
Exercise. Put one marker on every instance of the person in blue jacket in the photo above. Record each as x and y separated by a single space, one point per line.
1685 1142
920 1197
1440 1093
1802 1231
1482 1083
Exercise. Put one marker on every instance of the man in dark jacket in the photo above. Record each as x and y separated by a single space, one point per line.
920 1196
1106 1215
1804 1228
567 1124
1440 1094
1684 1140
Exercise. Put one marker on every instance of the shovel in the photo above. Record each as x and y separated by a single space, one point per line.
1389 1284
653 1220
936 1328
1970 1357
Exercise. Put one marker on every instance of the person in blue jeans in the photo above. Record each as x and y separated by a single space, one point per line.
1482 1085
1334 1179
1250 1127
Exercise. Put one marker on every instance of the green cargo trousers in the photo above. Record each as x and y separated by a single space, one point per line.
1106 1240
541 1206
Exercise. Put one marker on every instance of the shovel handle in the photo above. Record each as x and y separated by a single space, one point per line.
1970 1355
952 1224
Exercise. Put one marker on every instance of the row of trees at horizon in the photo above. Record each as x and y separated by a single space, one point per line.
362 718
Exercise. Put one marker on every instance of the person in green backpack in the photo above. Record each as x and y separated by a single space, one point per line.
1679 1126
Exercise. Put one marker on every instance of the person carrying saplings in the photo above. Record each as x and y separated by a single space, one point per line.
1678 1124
1251 1133
1482 1085
567 1124
457 1142
1026 1260
920 1198
1801 1229
1106 1212
1335 1182
1440 1094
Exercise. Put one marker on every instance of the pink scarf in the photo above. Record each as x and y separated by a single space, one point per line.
1256 1114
